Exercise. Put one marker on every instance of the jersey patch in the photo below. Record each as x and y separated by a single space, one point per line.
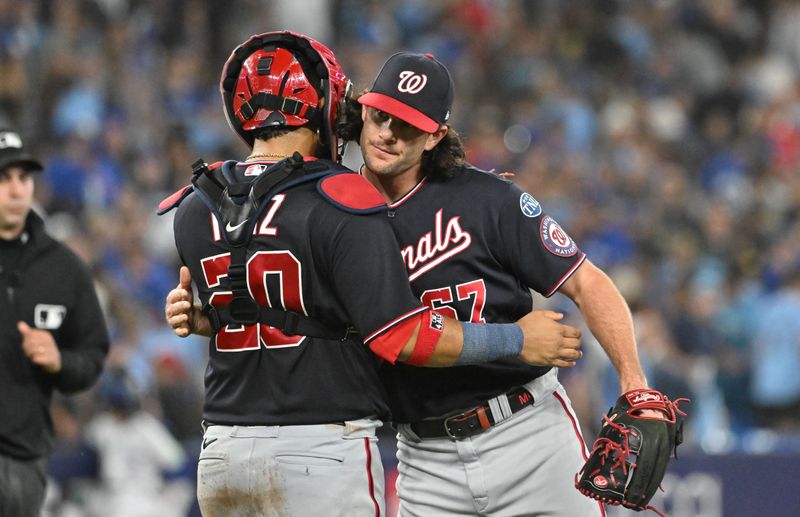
555 239
256 169
49 317
352 193
529 205
437 321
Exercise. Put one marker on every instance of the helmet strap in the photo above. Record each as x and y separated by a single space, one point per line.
277 103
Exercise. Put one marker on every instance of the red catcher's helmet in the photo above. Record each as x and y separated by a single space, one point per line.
278 79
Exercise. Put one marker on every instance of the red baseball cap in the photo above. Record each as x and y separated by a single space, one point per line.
415 88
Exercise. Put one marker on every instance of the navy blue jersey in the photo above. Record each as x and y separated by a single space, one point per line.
314 258
473 245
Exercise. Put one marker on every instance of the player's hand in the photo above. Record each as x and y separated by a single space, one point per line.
640 384
40 347
180 312
548 342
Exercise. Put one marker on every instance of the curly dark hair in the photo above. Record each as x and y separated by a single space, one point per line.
267 133
439 162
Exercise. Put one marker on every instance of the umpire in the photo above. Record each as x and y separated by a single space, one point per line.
52 332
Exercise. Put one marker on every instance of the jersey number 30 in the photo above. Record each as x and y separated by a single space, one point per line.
263 264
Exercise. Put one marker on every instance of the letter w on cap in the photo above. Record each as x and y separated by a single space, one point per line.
411 83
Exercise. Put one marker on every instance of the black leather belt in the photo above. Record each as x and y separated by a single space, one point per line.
472 422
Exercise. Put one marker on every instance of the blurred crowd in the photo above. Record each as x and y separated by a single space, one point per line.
664 136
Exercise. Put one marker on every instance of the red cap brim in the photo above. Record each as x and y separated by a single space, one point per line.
399 110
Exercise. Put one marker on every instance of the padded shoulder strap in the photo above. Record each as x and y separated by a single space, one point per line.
352 193
237 206
174 200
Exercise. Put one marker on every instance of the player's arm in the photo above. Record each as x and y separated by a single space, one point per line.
607 315
543 256
537 339
446 350
545 341
438 341
74 360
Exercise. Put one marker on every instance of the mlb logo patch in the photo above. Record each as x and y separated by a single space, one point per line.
437 321
49 317
255 169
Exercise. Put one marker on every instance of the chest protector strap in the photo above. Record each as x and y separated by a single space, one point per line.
237 207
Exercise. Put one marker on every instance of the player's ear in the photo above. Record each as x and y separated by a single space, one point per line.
435 137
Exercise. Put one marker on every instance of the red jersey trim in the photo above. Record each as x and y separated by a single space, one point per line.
427 339
566 276
394 322
389 345
410 193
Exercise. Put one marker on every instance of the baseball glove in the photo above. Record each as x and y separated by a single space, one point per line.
630 456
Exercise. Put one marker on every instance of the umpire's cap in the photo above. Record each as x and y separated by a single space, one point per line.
13 153
416 88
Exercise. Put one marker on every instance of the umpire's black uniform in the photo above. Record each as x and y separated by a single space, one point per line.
46 285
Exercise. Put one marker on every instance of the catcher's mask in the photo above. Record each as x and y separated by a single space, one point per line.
280 79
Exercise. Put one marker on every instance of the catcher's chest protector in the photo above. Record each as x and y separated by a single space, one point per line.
238 206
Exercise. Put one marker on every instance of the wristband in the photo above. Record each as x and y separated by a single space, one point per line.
430 330
486 342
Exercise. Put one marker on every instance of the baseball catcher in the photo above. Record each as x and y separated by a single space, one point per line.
630 456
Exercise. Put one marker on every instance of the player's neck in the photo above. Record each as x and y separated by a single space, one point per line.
393 186
302 140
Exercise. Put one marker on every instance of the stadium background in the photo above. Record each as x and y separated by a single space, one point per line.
664 135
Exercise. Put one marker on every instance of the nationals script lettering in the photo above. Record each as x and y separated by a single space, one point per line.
435 247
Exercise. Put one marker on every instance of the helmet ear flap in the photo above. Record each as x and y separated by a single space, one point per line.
346 98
